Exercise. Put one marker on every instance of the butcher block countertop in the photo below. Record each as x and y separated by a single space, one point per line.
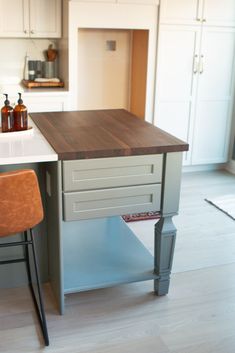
103 133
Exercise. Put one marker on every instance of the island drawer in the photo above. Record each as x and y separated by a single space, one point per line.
110 202
102 173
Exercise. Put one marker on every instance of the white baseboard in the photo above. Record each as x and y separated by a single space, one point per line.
203 168
230 166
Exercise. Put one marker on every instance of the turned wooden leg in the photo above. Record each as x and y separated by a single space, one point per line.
165 234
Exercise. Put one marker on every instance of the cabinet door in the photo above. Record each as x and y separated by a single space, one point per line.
181 11
219 13
144 2
176 80
45 104
97 0
14 18
215 96
45 18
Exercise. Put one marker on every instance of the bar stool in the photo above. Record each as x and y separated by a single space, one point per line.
21 210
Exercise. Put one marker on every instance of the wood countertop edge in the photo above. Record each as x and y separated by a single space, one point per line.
119 153
68 152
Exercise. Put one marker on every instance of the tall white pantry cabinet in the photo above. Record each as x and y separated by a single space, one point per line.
195 75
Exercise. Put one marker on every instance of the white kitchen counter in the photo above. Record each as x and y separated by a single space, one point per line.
13 89
26 148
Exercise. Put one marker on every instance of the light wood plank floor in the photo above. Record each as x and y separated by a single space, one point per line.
197 316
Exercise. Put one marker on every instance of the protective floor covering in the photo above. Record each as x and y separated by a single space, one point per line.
224 203
141 216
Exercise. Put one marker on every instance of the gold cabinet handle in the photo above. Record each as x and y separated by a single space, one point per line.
198 19
201 70
195 64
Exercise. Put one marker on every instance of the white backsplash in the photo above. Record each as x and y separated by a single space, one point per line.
12 57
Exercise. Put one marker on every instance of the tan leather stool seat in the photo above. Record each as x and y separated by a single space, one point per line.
20 210
20 202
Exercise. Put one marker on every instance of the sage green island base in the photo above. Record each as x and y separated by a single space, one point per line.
165 234
90 246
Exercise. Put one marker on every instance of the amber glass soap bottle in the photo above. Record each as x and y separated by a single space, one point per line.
20 116
7 116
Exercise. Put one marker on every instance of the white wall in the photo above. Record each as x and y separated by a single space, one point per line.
12 56
102 15
103 75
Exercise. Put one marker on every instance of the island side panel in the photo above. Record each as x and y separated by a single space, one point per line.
172 172
54 225
165 231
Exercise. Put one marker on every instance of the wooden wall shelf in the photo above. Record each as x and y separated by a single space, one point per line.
33 84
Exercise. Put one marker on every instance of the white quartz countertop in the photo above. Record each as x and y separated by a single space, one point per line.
13 89
25 148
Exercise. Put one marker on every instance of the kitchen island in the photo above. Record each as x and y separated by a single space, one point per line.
109 163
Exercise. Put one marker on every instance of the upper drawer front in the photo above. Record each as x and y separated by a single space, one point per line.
111 172
111 202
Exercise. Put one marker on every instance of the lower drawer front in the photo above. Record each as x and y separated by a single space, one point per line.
111 202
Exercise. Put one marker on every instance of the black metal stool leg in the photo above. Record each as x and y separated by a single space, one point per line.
26 254
39 307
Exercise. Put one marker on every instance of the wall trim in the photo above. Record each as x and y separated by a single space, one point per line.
203 168
230 166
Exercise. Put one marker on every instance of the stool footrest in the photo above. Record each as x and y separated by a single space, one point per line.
15 243
3 262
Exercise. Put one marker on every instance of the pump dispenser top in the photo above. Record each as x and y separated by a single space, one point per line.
7 116
20 115
20 100
6 102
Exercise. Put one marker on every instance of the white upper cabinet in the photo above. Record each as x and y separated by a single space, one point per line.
219 12
96 1
181 11
14 18
45 18
143 2
30 18
209 12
